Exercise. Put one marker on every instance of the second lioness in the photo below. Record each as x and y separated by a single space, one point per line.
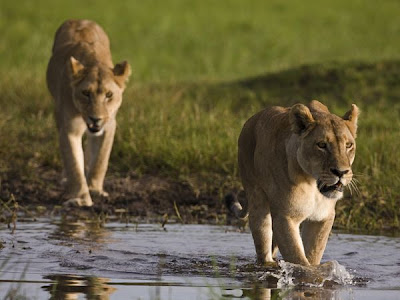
87 89
294 163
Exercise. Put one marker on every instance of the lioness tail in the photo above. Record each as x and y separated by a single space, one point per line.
239 210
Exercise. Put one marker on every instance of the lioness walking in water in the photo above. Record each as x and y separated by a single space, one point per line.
87 89
294 163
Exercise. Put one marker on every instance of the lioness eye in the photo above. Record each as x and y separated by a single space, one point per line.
109 95
321 145
349 145
86 93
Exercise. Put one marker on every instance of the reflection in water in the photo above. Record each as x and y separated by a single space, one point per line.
94 288
92 231
261 293
71 287
256 293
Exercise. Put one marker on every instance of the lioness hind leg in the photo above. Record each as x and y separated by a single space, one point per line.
315 237
260 224
97 154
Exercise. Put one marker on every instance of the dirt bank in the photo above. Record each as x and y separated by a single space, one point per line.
146 197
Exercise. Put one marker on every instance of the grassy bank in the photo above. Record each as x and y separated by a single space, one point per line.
199 72
188 131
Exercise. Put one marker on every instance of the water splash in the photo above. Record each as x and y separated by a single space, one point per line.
327 274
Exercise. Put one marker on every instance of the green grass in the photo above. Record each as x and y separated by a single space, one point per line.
200 69
191 40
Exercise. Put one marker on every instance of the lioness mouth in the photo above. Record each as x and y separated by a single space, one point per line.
93 128
323 188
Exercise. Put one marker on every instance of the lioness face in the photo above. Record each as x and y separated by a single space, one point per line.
330 150
97 93
327 151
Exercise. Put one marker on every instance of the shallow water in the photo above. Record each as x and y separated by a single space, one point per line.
58 260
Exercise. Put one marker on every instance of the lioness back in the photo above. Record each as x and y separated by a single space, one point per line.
269 126
77 31
87 90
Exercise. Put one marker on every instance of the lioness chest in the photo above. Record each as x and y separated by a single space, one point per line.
307 203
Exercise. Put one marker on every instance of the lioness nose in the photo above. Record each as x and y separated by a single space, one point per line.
95 120
339 173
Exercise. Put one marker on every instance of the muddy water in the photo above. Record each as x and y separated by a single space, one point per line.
58 260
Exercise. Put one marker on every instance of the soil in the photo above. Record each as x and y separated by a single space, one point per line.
146 197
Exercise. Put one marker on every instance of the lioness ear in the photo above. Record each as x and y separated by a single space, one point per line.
300 118
76 67
122 71
315 105
351 118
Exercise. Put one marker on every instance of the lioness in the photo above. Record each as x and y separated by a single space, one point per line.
87 90
294 163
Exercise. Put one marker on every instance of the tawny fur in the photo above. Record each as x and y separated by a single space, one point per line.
288 157
87 89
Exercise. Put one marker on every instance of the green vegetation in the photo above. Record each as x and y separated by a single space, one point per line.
200 69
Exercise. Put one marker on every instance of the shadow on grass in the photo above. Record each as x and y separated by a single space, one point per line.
336 84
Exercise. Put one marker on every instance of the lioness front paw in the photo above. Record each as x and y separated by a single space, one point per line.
76 202
99 193
270 264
